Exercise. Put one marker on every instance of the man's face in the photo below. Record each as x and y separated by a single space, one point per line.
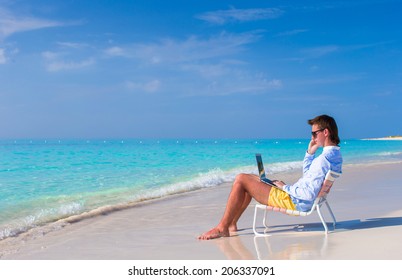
318 134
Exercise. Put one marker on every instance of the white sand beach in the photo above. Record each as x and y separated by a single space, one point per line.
397 138
366 201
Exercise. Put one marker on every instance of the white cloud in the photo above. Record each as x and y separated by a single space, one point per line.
226 79
50 55
329 49
7 53
115 51
320 51
315 52
333 79
10 23
3 58
73 45
151 86
191 49
207 70
196 66
291 32
274 84
57 62
56 66
239 85
239 15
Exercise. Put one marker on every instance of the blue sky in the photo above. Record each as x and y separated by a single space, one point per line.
198 69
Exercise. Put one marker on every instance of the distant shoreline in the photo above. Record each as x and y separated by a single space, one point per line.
385 138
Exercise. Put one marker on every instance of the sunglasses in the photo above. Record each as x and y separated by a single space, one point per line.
314 133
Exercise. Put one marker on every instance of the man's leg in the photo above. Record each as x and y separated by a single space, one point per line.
233 224
244 188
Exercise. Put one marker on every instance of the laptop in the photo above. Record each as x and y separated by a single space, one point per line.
261 171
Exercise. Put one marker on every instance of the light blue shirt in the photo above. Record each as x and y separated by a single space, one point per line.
306 189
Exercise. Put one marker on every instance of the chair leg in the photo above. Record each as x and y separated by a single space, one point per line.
265 218
255 222
322 219
332 214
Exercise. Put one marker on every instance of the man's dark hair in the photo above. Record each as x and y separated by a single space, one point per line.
325 121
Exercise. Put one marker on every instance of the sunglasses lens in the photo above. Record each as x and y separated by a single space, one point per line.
314 133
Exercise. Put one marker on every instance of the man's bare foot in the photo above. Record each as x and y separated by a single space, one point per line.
214 233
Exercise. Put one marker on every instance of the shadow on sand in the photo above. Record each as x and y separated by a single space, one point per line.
369 223
340 226
281 241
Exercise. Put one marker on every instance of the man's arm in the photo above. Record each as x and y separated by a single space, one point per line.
307 187
308 159
310 155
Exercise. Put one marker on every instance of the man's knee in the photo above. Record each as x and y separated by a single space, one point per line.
241 178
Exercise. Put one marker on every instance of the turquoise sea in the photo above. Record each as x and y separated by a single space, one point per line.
42 181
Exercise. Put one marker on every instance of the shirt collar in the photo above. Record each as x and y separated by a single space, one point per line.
331 148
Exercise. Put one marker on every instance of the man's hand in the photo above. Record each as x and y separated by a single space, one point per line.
312 147
279 184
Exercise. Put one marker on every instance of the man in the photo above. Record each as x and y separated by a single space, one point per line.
299 196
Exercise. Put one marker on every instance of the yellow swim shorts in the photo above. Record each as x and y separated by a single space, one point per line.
279 198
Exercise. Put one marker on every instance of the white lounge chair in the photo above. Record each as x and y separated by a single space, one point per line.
320 200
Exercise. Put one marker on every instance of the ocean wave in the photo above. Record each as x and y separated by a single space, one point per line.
38 218
214 178
96 204
387 154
